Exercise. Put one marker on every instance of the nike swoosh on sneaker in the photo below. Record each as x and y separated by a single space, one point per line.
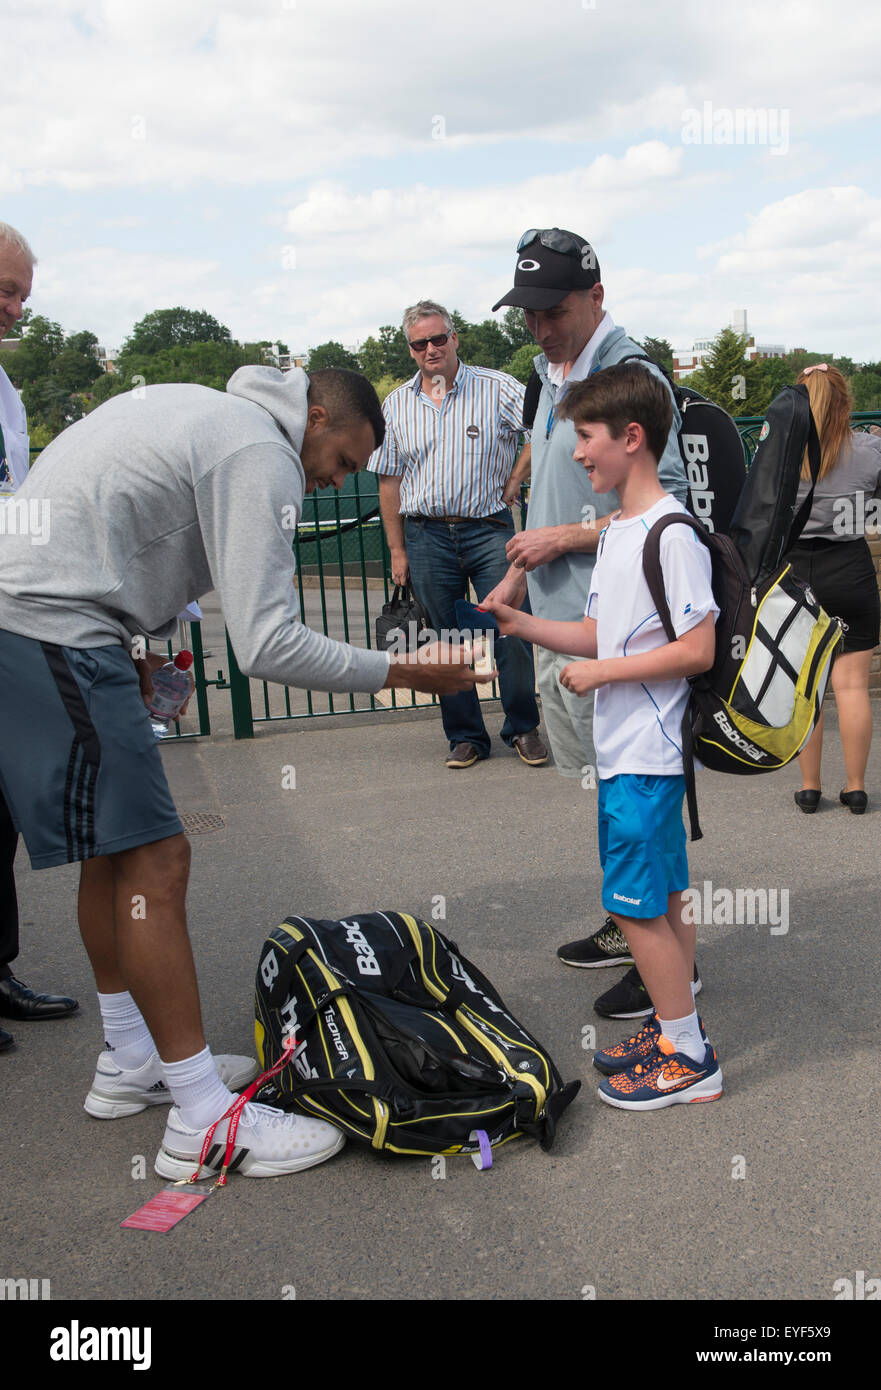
669 1083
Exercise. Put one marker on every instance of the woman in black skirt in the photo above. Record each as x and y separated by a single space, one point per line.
833 556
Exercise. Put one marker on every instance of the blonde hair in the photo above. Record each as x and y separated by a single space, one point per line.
831 406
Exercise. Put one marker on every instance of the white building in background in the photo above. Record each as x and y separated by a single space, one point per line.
686 360
285 360
106 357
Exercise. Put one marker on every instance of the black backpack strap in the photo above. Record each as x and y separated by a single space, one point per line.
530 400
654 577
644 357
804 511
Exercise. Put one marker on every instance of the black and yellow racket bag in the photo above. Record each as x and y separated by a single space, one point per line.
398 1040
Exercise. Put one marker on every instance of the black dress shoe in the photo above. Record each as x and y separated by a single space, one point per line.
807 801
17 1001
856 802
6 1040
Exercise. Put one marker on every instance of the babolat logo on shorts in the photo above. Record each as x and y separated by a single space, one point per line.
750 749
366 957
619 898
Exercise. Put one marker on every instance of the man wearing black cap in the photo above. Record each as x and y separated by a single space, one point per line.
557 284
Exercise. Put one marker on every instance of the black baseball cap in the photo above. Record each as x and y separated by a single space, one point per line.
551 263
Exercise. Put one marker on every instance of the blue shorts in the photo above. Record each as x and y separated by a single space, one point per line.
642 843
80 768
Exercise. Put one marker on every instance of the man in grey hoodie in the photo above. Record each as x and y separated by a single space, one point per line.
135 511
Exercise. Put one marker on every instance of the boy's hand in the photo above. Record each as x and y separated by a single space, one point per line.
507 617
511 590
581 677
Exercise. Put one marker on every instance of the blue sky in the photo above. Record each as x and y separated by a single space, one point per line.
305 170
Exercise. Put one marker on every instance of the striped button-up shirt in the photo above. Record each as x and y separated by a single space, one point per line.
455 454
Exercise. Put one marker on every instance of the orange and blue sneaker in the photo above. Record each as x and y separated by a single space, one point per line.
626 1054
666 1077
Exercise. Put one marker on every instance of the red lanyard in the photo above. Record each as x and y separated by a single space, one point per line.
234 1113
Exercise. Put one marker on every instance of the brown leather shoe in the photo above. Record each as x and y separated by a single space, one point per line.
463 755
531 749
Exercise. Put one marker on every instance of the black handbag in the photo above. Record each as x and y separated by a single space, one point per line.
402 620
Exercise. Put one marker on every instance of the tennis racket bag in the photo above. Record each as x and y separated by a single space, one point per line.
709 443
398 1040
755 709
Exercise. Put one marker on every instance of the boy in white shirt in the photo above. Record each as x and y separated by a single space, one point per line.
622 417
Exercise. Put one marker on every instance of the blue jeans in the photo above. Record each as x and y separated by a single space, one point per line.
443 558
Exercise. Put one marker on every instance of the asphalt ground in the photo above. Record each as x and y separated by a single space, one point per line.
770 1193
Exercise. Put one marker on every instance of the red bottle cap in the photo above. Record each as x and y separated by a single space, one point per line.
184 660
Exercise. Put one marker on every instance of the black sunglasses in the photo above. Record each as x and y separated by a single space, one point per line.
420 344
554 240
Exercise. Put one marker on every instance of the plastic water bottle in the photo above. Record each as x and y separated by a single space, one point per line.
171 690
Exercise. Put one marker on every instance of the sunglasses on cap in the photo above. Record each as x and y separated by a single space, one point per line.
554 240
420 344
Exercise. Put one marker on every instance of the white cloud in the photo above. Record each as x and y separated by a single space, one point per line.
108 93
107 290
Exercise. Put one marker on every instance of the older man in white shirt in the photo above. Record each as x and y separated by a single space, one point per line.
17 263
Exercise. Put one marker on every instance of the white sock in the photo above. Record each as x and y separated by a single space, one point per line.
126 1034
685 1035
197 1089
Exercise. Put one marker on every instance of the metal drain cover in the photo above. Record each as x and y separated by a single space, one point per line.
201 823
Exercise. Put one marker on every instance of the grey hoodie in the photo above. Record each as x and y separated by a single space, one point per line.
161 495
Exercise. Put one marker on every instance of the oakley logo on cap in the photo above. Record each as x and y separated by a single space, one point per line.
528 265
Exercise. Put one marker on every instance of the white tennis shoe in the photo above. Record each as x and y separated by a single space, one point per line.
116 1092
268 1143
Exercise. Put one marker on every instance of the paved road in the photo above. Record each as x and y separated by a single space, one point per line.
770 1193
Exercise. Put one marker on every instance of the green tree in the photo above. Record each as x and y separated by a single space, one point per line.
660 351
482 344
385 385
395 354
521 364
32 359
775 374
515 330
166 328
866 387
371 358
331 354
729 379
201 364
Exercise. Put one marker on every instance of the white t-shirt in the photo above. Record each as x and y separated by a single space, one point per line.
637 724
14 456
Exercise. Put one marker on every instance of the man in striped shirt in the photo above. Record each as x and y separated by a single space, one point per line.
446 472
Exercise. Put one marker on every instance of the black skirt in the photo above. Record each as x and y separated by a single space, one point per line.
843 578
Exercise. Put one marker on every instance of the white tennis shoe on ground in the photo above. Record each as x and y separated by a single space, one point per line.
116 1092
268 1143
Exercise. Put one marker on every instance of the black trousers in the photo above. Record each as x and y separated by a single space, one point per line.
8 897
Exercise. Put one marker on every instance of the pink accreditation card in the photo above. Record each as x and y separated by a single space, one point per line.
165 1210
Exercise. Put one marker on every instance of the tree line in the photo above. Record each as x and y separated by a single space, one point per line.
61 380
